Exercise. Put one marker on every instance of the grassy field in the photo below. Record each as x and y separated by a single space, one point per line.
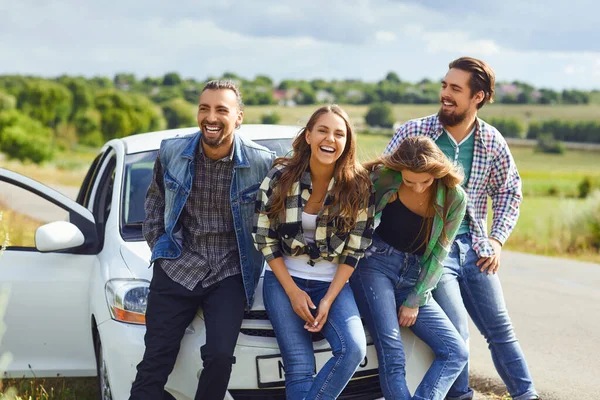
403 112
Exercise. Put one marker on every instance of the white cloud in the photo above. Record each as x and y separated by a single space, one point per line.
570 69
331 40
385 36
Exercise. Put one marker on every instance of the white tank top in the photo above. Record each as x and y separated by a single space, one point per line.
299 267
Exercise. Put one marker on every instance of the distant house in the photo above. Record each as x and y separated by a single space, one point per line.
323 96
507 89
354 95
285 97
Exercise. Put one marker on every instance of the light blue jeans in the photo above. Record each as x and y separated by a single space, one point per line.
465 291
343 330
381 283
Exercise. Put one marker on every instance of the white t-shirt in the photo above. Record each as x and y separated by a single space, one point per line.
299 267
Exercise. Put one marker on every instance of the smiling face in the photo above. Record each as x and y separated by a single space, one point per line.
418 182
457 100
218 116
327 139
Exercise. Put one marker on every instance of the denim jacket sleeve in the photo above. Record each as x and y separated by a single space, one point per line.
154 223
432 267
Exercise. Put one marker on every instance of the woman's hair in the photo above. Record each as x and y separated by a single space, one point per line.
352 183
420 154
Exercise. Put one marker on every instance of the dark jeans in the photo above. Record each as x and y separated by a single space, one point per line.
171 309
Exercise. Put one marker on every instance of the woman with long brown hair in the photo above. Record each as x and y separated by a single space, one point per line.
313 222
422 205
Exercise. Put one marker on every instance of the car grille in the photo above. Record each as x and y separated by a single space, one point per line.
359 389
267 332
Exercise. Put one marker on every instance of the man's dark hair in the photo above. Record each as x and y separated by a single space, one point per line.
219 84
482 77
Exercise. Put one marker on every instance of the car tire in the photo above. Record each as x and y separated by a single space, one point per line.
104 392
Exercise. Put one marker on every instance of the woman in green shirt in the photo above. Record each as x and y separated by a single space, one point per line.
422 206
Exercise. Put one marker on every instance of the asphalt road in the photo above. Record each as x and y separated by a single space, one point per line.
555 308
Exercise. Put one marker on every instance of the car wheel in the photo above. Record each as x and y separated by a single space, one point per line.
104 392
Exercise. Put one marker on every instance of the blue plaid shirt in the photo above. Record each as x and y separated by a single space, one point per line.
493 173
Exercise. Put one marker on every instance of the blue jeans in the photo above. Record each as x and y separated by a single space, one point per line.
343 330
463 290
381 283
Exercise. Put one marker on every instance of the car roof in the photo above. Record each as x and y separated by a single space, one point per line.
151 141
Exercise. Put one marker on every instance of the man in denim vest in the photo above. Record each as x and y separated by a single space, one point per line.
199 213
469 285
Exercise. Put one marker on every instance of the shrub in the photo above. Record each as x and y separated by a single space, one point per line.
23 138
585 187
7 102
24 145
179 113
380 114
508 127
547 144
271 118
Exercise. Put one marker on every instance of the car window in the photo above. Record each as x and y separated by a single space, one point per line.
85 191
138 176
103 197
137 179
22 213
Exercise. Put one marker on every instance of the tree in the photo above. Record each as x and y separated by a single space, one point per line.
508 127
271 118
392 77
171 79
179 113
380 114
48 102
124 81
263 80
82 95
7 102
23 138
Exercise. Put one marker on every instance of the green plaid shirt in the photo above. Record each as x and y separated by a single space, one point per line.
275 238
386 183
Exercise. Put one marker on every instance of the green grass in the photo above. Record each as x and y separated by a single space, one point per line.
299 115
50 388
542 228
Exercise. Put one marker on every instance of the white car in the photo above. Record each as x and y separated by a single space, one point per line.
78 277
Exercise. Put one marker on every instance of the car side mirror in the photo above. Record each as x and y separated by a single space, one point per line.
58 235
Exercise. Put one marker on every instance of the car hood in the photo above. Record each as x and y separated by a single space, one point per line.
136 256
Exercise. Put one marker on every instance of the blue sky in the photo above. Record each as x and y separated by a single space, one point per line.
554 44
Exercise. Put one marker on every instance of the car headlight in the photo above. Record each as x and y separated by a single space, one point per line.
127 300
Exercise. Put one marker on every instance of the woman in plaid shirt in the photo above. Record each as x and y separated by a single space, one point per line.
417 191
313 223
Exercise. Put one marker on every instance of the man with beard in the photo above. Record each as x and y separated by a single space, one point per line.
470 285
199 214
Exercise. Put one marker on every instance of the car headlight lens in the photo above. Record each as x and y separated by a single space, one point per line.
127 300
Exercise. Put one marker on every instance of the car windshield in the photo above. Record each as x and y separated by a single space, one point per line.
137 178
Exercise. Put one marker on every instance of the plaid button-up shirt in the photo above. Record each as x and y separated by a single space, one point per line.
449 207
275 238
210 250
493 173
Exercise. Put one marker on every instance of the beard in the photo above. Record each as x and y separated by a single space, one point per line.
216 141
213 142
451 119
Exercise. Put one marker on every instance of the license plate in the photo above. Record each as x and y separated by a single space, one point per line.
271 373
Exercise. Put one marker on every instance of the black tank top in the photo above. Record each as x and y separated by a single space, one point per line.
402 228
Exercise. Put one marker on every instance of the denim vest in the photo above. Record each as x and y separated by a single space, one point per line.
251 162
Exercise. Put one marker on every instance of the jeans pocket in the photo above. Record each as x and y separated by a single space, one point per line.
376 249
